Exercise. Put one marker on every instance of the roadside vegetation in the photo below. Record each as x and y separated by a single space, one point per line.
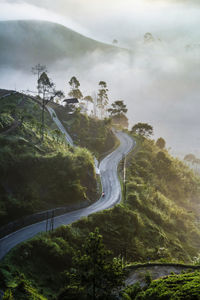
158 222
184 286
91 130
96 135
37 175
164 193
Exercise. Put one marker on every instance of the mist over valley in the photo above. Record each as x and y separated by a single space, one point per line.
157 79
99 149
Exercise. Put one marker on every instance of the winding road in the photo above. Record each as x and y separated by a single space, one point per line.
110 185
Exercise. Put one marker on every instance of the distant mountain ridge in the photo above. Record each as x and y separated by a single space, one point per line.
28 42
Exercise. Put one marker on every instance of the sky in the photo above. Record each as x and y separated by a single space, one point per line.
108 19
160 85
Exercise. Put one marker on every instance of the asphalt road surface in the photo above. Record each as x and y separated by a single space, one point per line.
110 185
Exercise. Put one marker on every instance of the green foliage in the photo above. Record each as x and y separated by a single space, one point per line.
118 112
99 276
39 182
131 291
45 85
88 99
161 143
8 295
75 91
120 120
142 129
102 97
185 286
53 260
58 95
118 107
6 121
148 278
24 291
95 135
162 190
39 176
157 222
21 289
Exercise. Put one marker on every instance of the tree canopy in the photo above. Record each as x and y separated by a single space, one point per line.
75 91
143 129
89 99
96 274
117 113
102 97
45 85
161 143
118 107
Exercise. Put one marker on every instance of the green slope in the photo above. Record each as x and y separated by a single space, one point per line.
157 221
36 176
93 134
176 287
25 43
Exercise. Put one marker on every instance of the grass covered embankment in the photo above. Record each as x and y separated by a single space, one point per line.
157 221
165 194
183 286
37 175
93 134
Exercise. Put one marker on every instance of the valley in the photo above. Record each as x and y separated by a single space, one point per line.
149 211
99 150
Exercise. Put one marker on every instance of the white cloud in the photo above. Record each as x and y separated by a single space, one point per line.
19 10
108 19
160 85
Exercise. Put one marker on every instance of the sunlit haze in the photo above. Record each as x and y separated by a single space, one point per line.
159 82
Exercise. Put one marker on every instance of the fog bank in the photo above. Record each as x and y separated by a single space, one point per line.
159 81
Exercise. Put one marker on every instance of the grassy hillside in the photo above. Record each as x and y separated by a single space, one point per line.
45 42
184 286
95 135
36 176
157 222
165 194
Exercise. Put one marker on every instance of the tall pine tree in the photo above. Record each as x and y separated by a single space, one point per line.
102 98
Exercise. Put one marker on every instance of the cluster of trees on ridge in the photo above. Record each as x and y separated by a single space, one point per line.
116 112
47 90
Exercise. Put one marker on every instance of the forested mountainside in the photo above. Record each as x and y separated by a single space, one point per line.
158 222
